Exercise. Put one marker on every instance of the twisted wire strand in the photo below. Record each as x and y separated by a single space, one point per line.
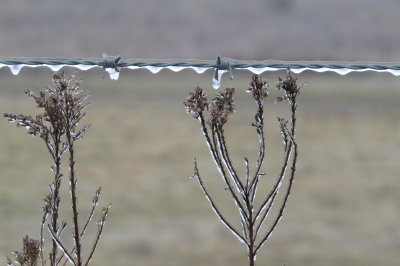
116 63
220 64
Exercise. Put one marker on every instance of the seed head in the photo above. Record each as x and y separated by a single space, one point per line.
221 107
197 102
259 88
289 85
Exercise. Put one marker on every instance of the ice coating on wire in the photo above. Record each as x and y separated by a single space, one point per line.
199 67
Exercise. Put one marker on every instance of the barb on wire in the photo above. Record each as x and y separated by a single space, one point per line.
110 65
221 66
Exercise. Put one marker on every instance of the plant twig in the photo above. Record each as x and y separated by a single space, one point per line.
63 108
99 232
244 192
214 207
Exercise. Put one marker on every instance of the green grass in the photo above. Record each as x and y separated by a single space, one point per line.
140 149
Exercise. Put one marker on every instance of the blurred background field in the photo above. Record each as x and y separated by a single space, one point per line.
255 29
344 207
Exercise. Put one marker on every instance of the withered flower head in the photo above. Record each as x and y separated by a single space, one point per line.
63 106
30 252
259 88
197 102
289 85
221 107
60 81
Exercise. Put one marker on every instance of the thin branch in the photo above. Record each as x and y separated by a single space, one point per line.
277 184
45 214
91 213
214 207
237 201
61 246
246 162
265 215
219 165
228 162
244 216
285 200
62 227
291 95
94 205
245 226
259 123
73 182
99 232
9 262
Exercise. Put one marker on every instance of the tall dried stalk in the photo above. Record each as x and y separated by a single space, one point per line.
59 127
254 233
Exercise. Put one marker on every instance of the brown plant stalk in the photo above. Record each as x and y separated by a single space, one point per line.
59 127
254 233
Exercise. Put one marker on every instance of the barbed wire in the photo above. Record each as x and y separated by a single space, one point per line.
115 63
112 65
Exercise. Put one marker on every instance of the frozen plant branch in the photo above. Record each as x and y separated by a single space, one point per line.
213 115
214 207
63 107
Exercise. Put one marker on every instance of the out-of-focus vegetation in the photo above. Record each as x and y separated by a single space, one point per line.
258 29
344 206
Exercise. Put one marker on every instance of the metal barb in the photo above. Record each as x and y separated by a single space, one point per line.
111 63
223 64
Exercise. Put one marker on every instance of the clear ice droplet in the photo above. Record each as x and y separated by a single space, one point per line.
216 84
55 68
199 70
175 68
394 72
15 69
256 71
114 74
217 78
343 71
153 69
297 70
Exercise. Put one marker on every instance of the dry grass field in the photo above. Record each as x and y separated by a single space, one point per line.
344 209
